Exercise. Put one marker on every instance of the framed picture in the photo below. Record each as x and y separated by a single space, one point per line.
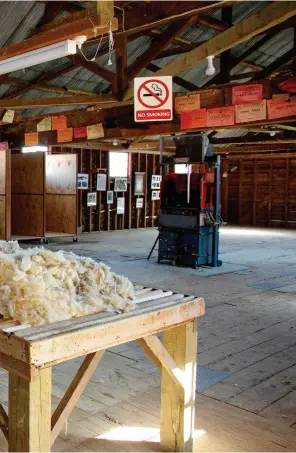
155 182
82 181
101 182
110 197
120 205
139 187
120 185
92 199
139 202
155 195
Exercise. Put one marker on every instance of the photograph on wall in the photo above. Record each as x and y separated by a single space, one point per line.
101 182
82 181
120 185
139 183
110 197
155 195
140 203
92 199
155 182
120 205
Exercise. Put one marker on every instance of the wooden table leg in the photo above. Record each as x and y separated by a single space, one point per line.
177 401
30 412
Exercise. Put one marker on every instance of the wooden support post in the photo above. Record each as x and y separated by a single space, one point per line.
30 412
178 402
120 83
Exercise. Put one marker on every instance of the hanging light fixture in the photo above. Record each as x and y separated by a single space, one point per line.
210 68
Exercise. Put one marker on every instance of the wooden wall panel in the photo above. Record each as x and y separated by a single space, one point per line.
27 215
61 194
5 195
2 217
27 173
262 192
104 216
61 174
60 217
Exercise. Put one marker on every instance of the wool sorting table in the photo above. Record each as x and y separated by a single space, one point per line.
28 354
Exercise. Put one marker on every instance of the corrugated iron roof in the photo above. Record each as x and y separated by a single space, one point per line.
19 19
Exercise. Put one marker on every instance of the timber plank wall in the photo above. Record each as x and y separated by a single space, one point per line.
103 217
261 192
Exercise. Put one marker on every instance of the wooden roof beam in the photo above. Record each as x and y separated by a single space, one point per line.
34 85
60 101
273 14
91 66
85 27
157 46
276 65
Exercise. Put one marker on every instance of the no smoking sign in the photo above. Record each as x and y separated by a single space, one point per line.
153 98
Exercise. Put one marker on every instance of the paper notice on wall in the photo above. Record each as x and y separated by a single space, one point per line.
80 132
245 113
283 97
59 122
187 103
3 146
139 202
280 109
8 116
95 131
31 139
44 125
244 94
120 205
223 116
65 135
196 118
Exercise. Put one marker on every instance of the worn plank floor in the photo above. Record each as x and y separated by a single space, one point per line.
247 349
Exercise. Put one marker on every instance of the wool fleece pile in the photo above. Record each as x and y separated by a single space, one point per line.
38 286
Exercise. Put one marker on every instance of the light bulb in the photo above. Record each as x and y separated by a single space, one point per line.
211 68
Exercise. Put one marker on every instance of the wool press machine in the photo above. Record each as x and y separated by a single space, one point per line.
189 215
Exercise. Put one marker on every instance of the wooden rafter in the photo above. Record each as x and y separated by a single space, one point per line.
91 66
253 25
44 80
276 65
59 101
43 87
85 27
159 45
178 80
3 421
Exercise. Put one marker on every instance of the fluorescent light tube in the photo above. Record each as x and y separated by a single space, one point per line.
49 53
34 149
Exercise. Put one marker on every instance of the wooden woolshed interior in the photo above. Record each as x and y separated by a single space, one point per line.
147 226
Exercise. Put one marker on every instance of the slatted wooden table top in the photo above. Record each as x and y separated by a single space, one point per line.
23 349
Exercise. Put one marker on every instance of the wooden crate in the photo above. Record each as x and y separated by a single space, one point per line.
28 354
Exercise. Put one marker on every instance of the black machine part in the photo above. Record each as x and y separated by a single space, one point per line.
194 146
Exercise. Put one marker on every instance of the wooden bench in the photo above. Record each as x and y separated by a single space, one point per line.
28 354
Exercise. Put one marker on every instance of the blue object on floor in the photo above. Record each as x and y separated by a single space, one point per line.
207 377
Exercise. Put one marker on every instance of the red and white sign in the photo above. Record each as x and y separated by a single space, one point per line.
280 109
153 99
245 94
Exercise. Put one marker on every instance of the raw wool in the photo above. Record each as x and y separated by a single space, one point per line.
38 286
9 246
